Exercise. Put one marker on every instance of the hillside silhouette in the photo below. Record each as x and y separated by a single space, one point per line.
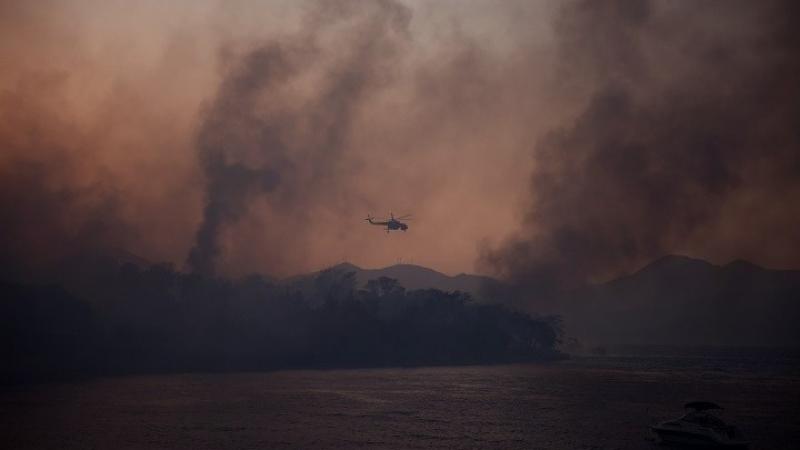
410 276
677 300
120 314
131 319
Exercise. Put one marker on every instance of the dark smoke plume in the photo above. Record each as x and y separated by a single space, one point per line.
261 137
237 139
690 131
230 184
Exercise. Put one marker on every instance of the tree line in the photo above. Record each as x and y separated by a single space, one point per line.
131 319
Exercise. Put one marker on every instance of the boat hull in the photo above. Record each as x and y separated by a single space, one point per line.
695 440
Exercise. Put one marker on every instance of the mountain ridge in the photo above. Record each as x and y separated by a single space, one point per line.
410 276
672 300
688 301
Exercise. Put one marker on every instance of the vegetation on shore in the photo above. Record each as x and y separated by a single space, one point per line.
131 319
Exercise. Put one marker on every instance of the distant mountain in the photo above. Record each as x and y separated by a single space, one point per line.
408 275
674 300
679 300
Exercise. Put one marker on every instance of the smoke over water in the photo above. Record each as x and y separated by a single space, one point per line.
688 143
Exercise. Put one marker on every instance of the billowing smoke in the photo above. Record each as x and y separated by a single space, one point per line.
261 136
245 138
688 142
236 138
74 138
50 210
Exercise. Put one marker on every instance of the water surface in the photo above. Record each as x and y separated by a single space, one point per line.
584 403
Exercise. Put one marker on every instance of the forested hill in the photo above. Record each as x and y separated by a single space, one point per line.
135 319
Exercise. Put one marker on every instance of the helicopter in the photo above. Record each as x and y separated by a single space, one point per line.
394 223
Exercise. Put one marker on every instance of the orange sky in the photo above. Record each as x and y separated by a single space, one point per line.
122 87
107 100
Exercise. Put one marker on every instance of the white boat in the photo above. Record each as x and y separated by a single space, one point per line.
699 428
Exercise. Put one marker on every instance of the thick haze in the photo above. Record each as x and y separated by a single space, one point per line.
688 142
572 139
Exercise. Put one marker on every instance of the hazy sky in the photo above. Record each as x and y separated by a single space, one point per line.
257 136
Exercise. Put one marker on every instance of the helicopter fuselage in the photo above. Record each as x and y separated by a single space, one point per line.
392 224
396 225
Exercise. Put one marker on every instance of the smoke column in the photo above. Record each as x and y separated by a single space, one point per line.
688 142
577 140
259 139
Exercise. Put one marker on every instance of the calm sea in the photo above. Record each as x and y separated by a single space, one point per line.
598 402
